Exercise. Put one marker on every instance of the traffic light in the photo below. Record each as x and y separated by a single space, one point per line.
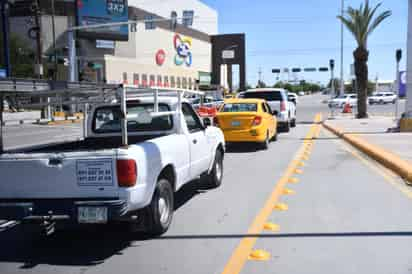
296 69
275 70
323 69
398 55
332 64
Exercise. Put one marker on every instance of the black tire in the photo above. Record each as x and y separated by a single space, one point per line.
286 127
293 123
214 178
161 208
265 144
275 137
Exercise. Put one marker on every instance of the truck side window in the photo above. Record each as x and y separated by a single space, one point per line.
191 118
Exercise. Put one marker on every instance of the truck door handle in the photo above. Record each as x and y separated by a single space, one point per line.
194 141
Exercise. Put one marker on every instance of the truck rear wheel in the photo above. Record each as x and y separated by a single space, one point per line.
214 178
161 208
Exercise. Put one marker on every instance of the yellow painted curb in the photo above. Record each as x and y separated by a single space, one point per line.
389 159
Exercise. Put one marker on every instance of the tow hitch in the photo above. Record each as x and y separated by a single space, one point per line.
47 222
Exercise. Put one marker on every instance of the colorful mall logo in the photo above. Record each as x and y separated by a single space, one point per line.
183 50
160 57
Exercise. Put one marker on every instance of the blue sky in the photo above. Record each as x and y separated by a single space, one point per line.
306 33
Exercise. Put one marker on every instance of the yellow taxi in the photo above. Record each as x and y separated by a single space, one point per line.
247 120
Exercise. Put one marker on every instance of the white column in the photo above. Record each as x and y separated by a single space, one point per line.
409 64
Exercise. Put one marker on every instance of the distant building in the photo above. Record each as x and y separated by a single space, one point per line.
156 53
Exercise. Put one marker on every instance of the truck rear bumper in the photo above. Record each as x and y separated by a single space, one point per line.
60 209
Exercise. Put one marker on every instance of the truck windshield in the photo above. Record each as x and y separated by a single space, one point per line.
107 119
267 95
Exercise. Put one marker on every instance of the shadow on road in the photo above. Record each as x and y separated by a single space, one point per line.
242 148
85 246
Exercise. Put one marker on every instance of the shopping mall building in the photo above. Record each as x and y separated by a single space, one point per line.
171 45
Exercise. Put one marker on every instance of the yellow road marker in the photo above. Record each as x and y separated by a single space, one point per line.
287 191
281 207
244 249
298 171
259 255
293 180
271 227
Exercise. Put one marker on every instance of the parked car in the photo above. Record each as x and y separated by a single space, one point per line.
301 93
293 97
277 99
247 120
382 98
98 180
342 100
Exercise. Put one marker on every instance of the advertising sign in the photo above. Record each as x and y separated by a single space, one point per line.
92 12
402 84
2 73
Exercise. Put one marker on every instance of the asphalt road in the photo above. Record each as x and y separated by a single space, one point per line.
345 214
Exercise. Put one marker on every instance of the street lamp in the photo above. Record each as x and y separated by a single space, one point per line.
332 83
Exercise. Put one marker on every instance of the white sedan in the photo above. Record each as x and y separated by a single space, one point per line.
342 100
383 98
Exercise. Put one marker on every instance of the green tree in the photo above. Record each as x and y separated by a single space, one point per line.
21 57
361 23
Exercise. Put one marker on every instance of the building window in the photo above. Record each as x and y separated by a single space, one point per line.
172 82
136 79
173 20
190 83
149 22
166 81
159 81
125 78
152 80
184 82
178 83
188 18
144 80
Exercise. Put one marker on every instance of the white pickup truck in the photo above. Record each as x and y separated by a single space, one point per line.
99 180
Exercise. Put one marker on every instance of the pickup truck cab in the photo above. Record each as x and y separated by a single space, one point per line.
277 99
98 180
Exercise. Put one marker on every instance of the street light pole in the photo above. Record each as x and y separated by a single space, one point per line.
332 82
342 82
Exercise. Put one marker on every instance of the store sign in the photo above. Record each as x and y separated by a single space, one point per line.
92 12
228 54
205 78
183 47
2 73
104 44
160 57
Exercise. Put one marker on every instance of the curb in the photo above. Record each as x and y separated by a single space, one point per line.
390 160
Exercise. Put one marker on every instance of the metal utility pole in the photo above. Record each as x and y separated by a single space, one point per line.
260 76
5 30
54 40
332 82
342 82
39 53
398 60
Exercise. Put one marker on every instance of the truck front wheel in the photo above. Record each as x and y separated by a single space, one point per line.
161 208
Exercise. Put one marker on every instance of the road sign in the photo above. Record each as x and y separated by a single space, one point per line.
296 70
228 54
402 83
309 69
3 73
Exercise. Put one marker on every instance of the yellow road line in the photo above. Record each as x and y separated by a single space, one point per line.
243 250
387 174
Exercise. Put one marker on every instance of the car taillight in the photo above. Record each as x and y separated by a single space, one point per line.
126 173
257 120
215 121
282 106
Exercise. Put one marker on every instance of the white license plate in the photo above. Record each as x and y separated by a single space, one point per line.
235 123
92 215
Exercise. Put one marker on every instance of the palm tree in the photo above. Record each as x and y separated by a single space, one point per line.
361 23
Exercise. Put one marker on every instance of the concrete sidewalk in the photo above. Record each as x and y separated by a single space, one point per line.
394 150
